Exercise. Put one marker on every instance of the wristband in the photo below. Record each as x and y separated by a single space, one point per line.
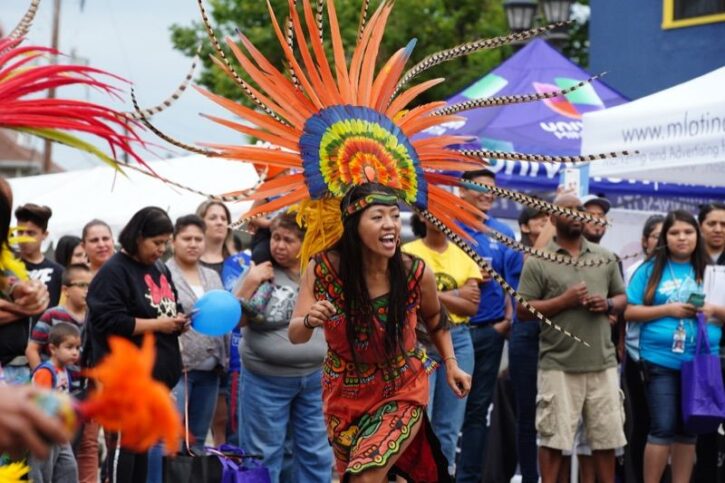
306 322
610 306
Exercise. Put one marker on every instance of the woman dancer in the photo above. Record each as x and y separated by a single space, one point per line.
368 297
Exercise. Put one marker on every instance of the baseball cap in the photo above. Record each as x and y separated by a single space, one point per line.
597 200
528 213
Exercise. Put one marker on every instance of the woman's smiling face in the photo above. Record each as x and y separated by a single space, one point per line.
379 229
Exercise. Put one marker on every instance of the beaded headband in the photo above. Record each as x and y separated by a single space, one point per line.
368 200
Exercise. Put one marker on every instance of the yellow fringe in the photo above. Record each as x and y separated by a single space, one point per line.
14 473
323 221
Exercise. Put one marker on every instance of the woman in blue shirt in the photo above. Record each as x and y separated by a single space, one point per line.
658 296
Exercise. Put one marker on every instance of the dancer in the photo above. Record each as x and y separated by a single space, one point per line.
368 297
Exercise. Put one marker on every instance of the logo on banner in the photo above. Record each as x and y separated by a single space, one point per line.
570 105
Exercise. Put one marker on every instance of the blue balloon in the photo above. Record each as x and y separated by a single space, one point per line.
217 312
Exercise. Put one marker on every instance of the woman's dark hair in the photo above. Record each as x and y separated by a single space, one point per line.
418 226
357 301
707 209
201 211
36 214
145 223
661 254
188 220
91 224
64 249
649 226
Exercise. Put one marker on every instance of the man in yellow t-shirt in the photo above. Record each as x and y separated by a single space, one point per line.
457 278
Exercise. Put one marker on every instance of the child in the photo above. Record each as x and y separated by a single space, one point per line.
33 222
64 342
75 282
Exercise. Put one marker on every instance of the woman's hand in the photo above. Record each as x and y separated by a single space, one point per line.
320 312
680 310
458 381
259 274
713 313
255 276
172 325
23 426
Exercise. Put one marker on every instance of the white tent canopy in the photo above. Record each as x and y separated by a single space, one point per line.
76 197
679 133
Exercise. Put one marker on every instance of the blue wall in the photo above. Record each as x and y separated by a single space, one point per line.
627 41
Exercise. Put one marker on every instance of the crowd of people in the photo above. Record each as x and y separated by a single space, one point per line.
377 332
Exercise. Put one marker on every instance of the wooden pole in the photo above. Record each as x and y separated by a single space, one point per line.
48 151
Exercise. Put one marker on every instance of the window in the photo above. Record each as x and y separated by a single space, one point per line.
686 13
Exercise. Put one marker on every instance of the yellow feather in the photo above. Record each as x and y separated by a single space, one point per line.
14 472
323 221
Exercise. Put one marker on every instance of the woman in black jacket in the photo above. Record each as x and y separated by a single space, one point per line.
133 294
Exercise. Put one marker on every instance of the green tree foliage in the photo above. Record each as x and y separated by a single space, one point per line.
436 24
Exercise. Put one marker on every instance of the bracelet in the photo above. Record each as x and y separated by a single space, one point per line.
306 322
449 358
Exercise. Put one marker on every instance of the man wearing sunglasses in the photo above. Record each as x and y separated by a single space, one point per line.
71 310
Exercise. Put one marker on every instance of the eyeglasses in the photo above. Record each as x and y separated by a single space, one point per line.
78 284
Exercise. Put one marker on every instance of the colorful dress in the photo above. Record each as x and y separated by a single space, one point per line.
370 405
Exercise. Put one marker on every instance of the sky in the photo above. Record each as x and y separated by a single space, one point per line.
129 38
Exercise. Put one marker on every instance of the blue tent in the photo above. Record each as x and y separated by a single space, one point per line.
551 126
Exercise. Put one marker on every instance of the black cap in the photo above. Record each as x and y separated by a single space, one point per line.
527 214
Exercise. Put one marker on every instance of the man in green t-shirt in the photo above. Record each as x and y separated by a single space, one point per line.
575 381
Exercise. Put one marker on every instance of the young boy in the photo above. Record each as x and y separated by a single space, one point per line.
75 282
64 342
33 222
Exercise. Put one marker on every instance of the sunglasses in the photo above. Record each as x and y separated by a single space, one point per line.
78 284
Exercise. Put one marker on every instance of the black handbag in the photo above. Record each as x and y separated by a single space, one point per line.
184 468
189 467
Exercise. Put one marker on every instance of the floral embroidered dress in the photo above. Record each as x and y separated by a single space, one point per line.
371 406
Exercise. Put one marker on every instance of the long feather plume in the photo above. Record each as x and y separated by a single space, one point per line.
470 48
460 243
23 26
506 100
542 158
169 101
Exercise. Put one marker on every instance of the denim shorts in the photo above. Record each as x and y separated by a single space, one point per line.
662 386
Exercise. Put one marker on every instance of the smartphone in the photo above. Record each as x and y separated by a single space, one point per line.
697 299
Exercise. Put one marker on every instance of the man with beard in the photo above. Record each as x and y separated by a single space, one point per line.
575 381
599 207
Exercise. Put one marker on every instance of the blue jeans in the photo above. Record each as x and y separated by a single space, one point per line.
203 390
445 409
523 363
665 411
274 403
487 349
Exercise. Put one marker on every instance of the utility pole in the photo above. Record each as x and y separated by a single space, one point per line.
48 151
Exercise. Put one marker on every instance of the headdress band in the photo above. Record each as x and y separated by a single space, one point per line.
365 201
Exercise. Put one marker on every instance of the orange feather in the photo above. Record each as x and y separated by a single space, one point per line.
304 81
298 194
253 116
130 401
258 133
367 69
404 98
313 73
343 79
320 54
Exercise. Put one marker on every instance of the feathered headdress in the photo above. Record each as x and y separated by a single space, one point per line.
337 123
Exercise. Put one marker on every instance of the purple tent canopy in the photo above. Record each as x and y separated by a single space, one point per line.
551 126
